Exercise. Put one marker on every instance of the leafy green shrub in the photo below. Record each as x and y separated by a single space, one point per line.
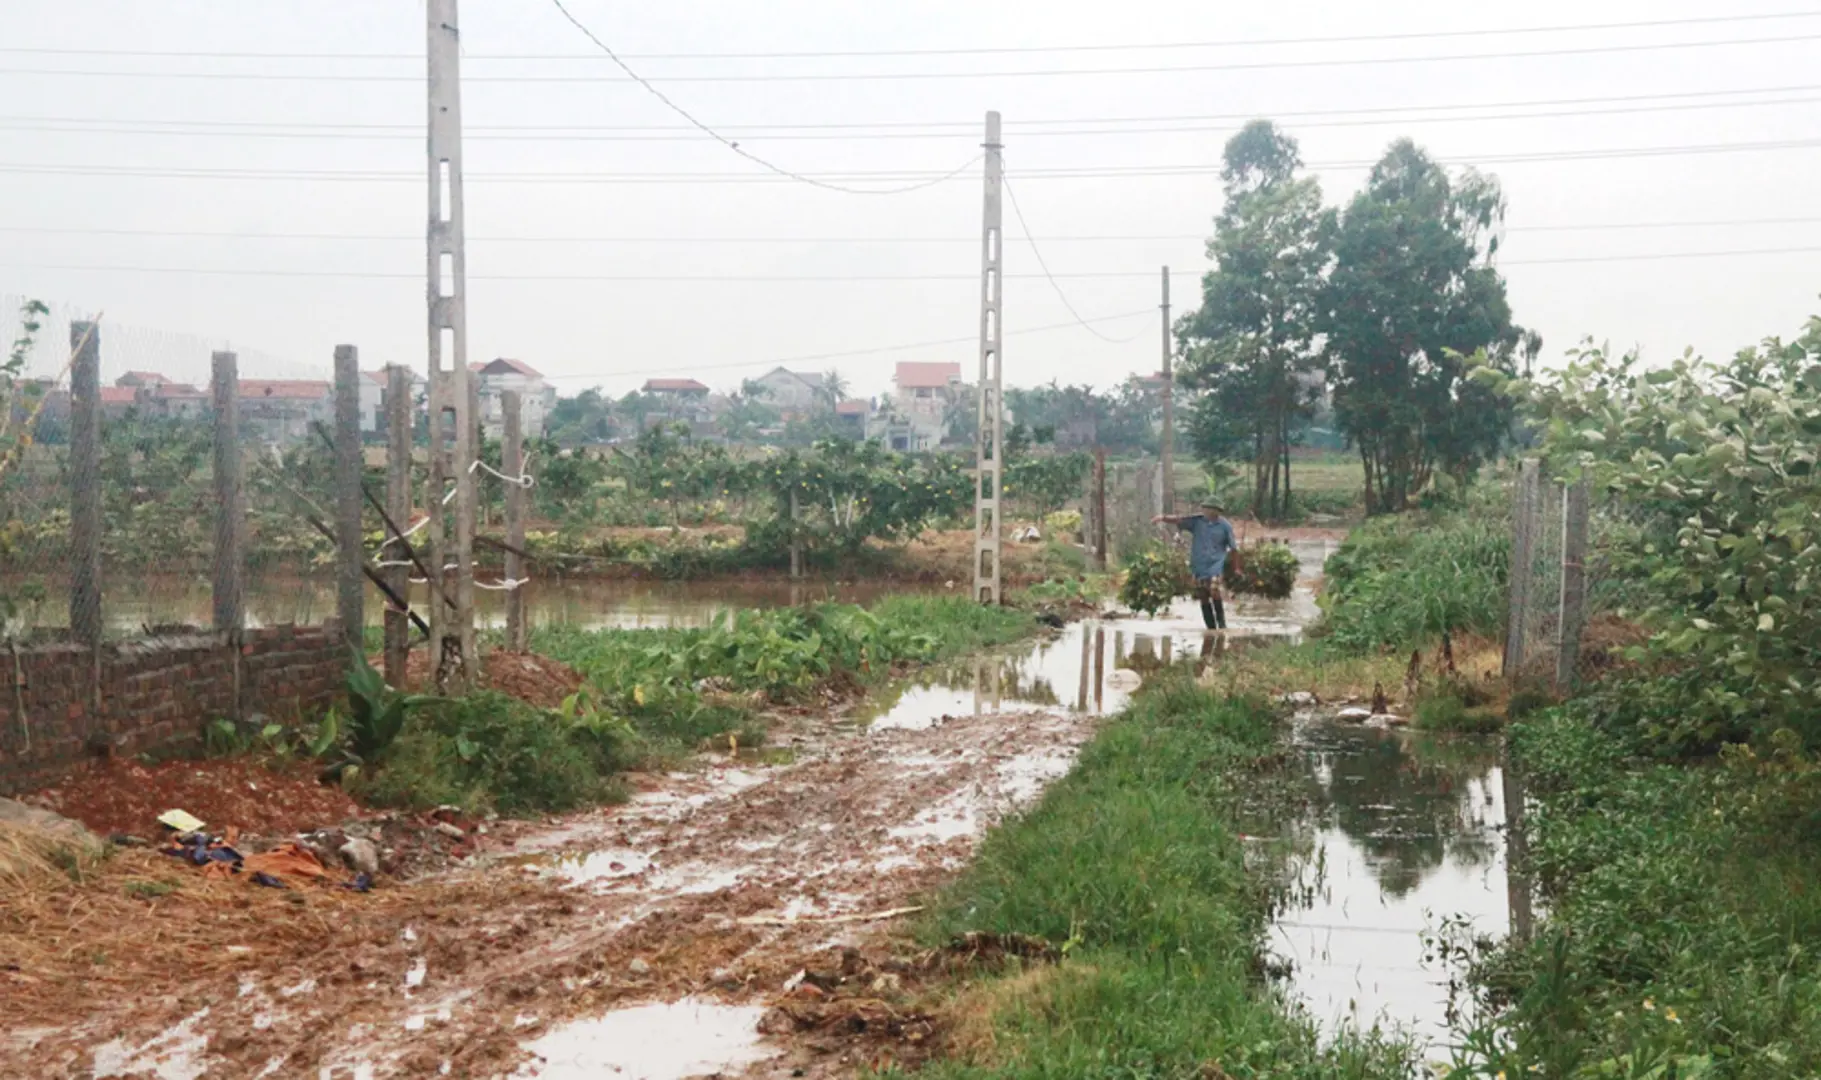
1063 523
1717 462
1153 579
1264 569
489 750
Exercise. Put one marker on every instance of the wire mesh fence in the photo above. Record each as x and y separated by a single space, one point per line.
1548 608
155 478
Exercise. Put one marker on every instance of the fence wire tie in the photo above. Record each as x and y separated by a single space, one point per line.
503 586
525 481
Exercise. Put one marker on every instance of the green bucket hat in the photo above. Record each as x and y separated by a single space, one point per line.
1211 503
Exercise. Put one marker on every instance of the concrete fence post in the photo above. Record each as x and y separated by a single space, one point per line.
398 508
350 583
1574 581
230 588
512 460
85 483
1523 528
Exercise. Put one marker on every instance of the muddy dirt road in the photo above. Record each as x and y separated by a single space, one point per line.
715 885
648 940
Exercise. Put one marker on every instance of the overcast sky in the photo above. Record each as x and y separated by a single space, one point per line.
80 172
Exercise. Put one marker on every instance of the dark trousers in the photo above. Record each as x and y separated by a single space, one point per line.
1213 612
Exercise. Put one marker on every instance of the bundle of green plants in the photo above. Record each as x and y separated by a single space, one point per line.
492 751
1153 579
1266 568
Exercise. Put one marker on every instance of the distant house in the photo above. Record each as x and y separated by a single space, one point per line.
281 410
687 389
794 394
117 401
536 396
679 401
853 415
925 393
374 386
153 396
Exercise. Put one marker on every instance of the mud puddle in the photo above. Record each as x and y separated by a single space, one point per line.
1402 831
667 1041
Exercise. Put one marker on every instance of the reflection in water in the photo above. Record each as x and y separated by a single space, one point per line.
1399 832
1097 658
591 604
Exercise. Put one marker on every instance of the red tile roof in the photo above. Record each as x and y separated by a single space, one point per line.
853 407
286 389
176 390
674 384
916 376
518 367
119 395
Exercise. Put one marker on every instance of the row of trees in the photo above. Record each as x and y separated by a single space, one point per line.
1389 303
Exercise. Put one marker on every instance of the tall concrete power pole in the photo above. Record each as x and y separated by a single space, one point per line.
990 442
1169 406
451 624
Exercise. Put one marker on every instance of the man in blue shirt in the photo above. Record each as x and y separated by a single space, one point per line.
1210 542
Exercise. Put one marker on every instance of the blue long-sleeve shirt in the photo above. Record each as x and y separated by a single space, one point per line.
1209 543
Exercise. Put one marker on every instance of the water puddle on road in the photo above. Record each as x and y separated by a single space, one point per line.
682 1039
1401 831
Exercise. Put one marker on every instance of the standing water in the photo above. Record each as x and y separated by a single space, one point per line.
1400 831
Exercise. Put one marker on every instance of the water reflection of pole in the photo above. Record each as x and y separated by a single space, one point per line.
1081 700
1100 652
1211 645
1517 854
1168 641
1118 647
979 684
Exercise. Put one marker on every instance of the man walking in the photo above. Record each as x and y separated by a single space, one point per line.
1210 542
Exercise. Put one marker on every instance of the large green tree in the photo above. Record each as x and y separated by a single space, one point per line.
1251 351
1412 296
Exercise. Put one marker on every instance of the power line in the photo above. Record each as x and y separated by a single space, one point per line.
381 275
843 239
1081 172
880 76
170 130
817 357
1037 252
956 126
733 145
968 51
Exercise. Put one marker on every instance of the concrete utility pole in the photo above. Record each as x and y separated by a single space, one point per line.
990 445
1169 406
451 630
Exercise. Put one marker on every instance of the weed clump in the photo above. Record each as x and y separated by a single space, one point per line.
1265 569
1153 580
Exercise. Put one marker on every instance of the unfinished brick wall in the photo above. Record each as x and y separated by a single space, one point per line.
154 693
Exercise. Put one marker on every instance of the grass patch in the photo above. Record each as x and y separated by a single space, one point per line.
1683 907
1134 861
1413 577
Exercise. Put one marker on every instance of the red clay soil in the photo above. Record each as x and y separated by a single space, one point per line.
533 679
125 796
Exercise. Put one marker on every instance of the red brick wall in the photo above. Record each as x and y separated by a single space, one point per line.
155 693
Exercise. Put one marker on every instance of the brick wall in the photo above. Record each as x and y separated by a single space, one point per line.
155 693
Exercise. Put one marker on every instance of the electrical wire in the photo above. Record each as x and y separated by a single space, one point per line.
672 135
968 127
51 230
1037 252
969 51
1079 172
734 145
383 275
881 76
